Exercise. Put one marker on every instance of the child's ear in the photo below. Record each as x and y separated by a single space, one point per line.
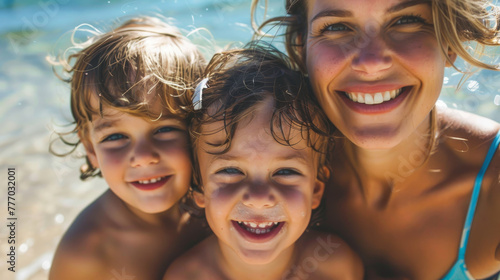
319 187
452 56
89 149
199 199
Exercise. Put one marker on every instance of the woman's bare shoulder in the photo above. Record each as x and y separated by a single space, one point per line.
466 125
466 135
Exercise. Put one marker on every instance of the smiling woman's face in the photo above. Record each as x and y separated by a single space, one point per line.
375 66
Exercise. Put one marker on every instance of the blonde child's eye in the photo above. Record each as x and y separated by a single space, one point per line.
114 137
166 129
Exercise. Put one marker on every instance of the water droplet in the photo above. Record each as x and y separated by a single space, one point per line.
59 218
109 2
446 80
46 265
23 248
496 101
473 86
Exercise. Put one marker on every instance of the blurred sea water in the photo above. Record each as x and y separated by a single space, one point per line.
33 102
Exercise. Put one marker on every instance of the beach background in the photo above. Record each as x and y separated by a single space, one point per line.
34 103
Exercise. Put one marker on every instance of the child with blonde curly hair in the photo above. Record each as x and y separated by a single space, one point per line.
129 89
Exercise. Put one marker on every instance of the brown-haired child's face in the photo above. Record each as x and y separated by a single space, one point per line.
258 195
145 163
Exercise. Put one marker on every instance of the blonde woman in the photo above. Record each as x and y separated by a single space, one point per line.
414 187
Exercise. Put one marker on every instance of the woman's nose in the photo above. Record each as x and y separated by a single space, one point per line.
372 55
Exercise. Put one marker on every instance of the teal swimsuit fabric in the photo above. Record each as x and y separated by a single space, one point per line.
459 270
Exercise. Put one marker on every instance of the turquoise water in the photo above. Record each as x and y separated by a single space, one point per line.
33 101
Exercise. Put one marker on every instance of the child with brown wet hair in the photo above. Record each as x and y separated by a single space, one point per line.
260 146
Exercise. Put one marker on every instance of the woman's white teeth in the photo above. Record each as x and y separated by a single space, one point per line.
371 98
150 181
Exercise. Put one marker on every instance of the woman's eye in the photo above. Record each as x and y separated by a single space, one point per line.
114 137
287 172
337 27
409 20
230 171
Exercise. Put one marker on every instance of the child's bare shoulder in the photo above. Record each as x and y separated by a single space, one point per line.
197 263
80 252
327 256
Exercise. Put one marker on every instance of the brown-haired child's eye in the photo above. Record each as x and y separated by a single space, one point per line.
230 171
287 172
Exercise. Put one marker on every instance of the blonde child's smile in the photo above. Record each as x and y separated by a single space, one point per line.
151 184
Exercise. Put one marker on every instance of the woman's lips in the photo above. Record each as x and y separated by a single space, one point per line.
258 232
358 101
151 184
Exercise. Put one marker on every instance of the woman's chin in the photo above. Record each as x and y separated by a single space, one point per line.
376 139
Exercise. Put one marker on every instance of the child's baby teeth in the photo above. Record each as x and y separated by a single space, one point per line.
151 181
258 228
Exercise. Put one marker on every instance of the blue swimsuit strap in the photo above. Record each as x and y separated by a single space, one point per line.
475 196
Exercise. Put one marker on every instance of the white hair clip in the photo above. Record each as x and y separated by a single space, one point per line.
198 92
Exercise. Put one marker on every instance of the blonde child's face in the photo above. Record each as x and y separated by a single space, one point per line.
258 195
145 163
375 66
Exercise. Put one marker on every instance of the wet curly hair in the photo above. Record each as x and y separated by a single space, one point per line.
238 80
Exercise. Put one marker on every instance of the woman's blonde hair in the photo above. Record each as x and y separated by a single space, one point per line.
455 21
144 57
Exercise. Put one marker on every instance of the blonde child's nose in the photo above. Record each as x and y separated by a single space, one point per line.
144 154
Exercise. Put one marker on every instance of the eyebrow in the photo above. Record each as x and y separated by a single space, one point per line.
332 13
103 125
406 4
345 13
292 156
